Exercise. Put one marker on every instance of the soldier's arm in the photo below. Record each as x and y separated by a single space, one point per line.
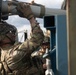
36 38
37 34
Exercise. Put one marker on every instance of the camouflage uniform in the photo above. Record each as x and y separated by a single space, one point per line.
17 60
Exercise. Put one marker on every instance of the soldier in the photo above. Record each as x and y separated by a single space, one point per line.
45 45
16 58
41 52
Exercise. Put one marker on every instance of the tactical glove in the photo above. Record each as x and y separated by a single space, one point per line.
24 10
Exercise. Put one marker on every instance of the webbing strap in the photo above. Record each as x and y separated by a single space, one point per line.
42 12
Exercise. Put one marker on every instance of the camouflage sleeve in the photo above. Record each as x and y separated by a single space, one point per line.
37 36
36 39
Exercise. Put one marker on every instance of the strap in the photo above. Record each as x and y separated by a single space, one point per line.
5 68
2 69
12 42
42 13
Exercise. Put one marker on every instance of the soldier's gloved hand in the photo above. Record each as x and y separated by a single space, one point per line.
25 10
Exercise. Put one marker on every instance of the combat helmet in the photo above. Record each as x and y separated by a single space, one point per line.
6 28
46 40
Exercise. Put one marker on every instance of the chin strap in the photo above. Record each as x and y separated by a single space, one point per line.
2 43
2 38
12 42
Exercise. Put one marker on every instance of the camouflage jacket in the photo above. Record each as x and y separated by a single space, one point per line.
16 60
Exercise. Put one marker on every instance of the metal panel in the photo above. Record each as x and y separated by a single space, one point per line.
61 45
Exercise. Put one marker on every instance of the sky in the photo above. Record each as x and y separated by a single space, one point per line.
23 24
